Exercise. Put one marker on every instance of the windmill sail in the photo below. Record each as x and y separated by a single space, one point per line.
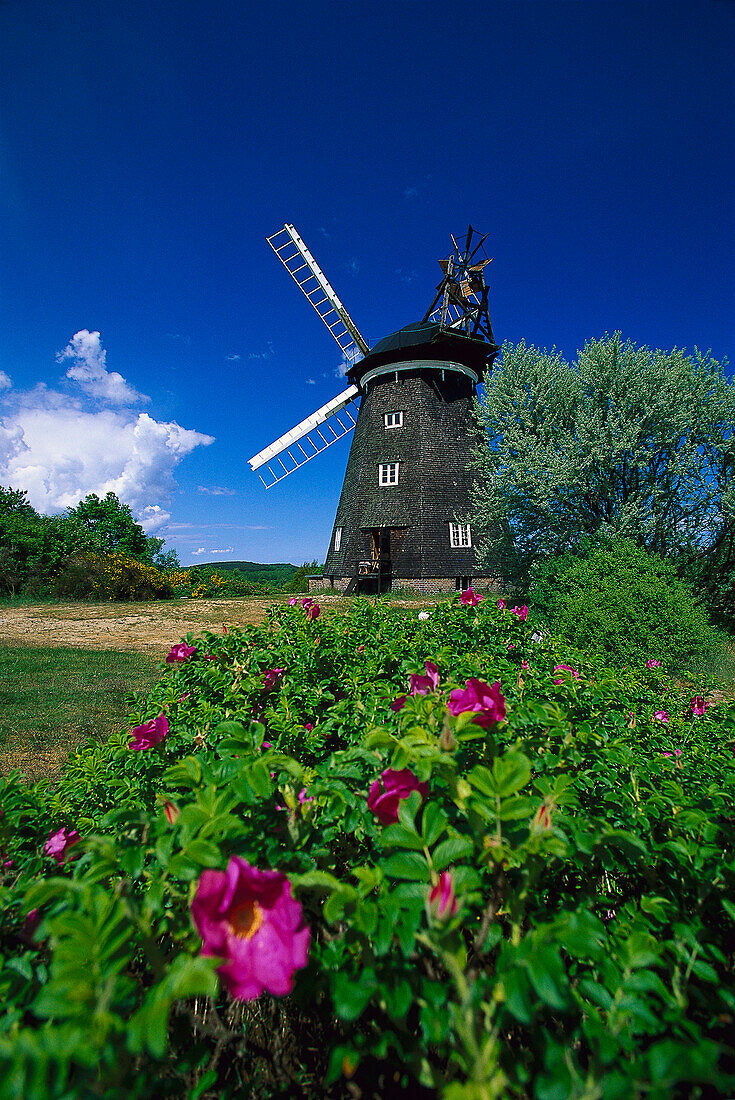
309 438
311 280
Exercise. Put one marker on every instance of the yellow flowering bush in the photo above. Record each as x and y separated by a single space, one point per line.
111 577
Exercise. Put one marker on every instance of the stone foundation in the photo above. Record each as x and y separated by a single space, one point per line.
429 586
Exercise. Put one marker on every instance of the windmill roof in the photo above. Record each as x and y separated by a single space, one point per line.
434 341
419 332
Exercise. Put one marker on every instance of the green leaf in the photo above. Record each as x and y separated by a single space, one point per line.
452 850
398 836
204 852
511 772
351 994
433 823
406 865
320 879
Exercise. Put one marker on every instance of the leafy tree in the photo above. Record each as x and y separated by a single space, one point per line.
626 441
114 529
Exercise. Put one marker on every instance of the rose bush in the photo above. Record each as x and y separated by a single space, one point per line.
504 888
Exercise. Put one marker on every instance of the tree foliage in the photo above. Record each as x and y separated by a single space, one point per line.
625 441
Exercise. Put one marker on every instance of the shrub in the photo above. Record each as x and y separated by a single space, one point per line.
110 577
515 867
623 604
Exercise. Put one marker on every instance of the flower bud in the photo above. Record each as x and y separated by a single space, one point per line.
442 900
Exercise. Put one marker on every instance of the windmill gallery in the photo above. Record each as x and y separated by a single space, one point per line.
403 514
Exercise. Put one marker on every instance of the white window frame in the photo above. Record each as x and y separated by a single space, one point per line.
460 536
388 474
393 420
337 538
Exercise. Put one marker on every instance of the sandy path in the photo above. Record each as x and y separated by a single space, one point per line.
145 627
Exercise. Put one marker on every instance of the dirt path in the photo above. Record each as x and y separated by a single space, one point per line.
144 627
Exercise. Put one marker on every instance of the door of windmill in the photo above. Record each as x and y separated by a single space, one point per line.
378 578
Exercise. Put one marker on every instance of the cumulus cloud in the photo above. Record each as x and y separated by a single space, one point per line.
5 382
201 550
88 369
60 448
227 550
233 358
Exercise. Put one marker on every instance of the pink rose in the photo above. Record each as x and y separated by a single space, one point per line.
422 685
392 787
488 703
566 668
524 664
250 919
699 706
501 604
653 663
309 727
271 677
149 734
180 652
442 899
306 604
469 598
521 612
662 716
398 703
313 612
676 752
293 601
59 843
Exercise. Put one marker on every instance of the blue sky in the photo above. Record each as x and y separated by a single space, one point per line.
147 149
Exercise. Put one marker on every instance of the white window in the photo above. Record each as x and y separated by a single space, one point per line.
459 535
394 420
337 538
388 473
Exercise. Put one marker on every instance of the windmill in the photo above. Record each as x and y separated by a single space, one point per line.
403 514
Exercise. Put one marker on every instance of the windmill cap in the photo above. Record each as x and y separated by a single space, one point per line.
427 340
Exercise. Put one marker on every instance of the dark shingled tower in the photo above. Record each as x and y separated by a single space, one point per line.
403 514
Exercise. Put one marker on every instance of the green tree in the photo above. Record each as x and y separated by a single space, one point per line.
113 527
625 442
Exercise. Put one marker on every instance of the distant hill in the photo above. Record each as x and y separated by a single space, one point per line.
276 574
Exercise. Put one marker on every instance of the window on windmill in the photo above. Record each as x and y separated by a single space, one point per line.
394 420
388 473
459 535
337 538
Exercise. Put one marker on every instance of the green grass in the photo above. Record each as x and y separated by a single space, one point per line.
53 699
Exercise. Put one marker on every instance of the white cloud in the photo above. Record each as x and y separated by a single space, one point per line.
59 450
233 358
89 370
5 382
227 550
342 369
152 517
201 550
216 491
310 382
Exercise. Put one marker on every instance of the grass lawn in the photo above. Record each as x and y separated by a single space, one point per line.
52 699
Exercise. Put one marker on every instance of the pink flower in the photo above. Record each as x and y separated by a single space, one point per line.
699 706
59 843
487 702
293 601
469 598
8 864
398 703
442 899
653 664
30 924
566 668
306 604
180 652
172 812
149 734
521 612
309 727
313 611
676 752
524 664
662 716
270 678
183 697
512 646
266 745
209 657
361 649
303 797
250 919
422 685
501 604
392 787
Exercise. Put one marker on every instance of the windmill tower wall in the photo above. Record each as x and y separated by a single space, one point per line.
416 419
